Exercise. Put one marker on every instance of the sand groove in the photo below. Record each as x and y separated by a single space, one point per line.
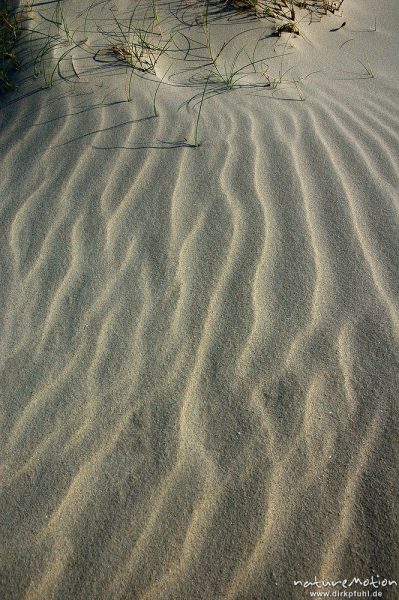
199 346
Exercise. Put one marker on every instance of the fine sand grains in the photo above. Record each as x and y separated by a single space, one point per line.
199 305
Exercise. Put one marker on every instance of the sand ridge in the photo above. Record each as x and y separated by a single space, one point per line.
199 346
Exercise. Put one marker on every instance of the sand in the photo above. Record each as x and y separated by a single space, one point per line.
199 345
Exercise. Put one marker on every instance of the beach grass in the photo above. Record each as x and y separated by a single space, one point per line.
11 23
136 44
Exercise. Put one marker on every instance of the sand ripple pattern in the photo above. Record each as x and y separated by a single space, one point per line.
199 350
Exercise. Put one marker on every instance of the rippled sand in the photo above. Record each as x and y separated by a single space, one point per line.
199 346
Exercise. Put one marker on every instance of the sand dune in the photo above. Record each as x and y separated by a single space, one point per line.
199 346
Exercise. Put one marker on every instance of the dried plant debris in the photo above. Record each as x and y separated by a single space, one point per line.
286 9
134 55
288 27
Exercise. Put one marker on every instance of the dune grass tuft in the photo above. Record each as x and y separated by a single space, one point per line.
285 9
11 23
